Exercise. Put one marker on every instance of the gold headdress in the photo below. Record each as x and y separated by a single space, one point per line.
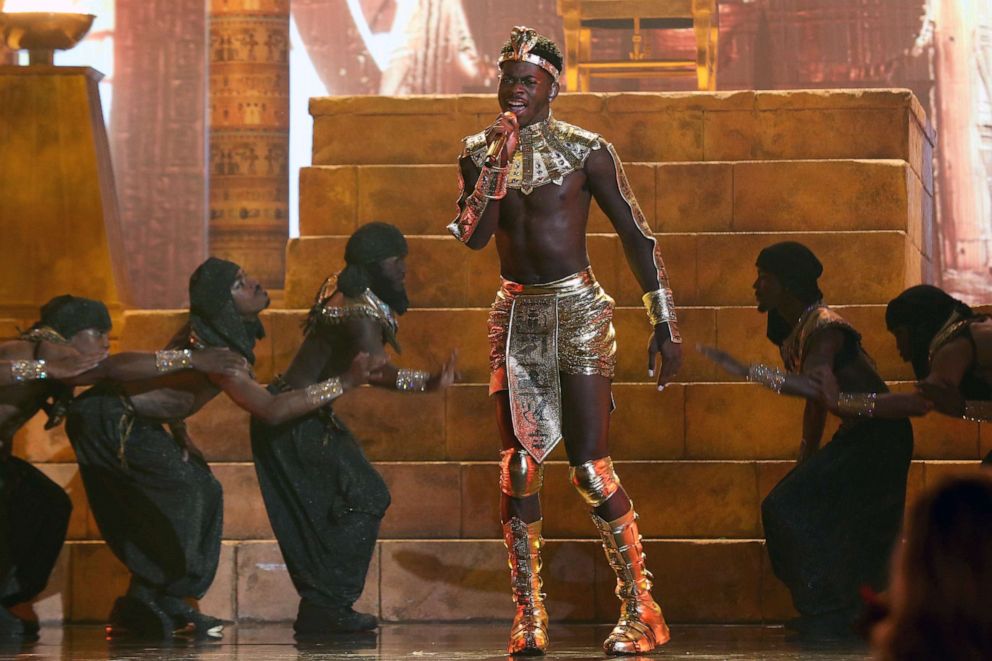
522 41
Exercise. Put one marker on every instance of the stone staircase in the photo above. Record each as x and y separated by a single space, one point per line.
720 176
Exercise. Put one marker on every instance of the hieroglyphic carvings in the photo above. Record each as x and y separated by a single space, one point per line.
249 134
157 135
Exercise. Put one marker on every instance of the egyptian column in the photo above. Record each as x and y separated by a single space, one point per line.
249 135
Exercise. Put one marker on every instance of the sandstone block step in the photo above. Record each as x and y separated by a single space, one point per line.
744 196
428 334
452 580
459 500
648 127
708 269
705 421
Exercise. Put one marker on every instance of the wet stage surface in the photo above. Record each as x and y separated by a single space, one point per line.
461 642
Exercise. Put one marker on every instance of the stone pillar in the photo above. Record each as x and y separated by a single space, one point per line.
249 135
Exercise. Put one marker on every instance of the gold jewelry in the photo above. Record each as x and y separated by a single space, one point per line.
660 306
977 410
522 42
321 393
172 360
412 380
28 370
492 182
772 378
595 480
860 404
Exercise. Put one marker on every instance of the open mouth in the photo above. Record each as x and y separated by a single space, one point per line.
516 106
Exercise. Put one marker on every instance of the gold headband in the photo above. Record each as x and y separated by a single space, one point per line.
522 41
44 333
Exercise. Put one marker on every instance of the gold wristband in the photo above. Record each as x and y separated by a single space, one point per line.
170 360
660 306
977 410
28 370
321 393
412 380
492 182
772 378
860 404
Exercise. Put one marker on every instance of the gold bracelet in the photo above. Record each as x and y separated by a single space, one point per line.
860 404
28 370
412 380
321 393
170 360
772 378
977 410
660 306
492 182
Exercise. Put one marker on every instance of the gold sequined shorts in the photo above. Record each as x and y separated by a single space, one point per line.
586 338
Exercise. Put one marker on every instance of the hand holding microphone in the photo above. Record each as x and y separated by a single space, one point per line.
507 124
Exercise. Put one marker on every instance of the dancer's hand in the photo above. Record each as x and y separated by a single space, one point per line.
215 360
72 363
824 380
724 360
448 374
505 124
661 344
946 399
362 368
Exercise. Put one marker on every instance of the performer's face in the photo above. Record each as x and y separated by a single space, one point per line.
903 343
768 291
90 341
526 90
249 295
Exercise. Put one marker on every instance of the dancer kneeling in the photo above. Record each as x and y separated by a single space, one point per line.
150 489
831 523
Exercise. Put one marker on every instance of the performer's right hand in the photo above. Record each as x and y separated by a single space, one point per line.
73 364
217 360
506 124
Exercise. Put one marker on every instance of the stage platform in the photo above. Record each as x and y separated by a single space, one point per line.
433 642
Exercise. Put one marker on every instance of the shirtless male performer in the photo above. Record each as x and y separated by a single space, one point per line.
528 180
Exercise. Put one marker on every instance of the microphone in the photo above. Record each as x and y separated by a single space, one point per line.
496 148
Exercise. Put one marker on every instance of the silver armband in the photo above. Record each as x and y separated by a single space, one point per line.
321 393
170 360
860 404
660 306
28 370
772 378
412 380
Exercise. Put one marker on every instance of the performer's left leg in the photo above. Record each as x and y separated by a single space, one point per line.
586 404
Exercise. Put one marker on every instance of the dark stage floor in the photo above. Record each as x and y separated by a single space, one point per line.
464 642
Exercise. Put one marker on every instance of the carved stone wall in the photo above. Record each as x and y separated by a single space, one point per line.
249 135
158 140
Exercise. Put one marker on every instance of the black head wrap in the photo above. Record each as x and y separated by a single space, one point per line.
68 315
369 245
212 315
923 310
797 268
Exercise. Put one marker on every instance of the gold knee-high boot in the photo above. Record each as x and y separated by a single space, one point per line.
529 633
642 626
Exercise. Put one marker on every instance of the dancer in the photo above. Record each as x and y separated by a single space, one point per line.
831 523
153 496
324 499
528 180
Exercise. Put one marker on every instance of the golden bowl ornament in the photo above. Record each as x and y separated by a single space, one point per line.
42 33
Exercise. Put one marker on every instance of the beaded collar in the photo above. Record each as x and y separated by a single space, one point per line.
549 151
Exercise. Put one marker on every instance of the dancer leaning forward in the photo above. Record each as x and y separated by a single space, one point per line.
528 180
